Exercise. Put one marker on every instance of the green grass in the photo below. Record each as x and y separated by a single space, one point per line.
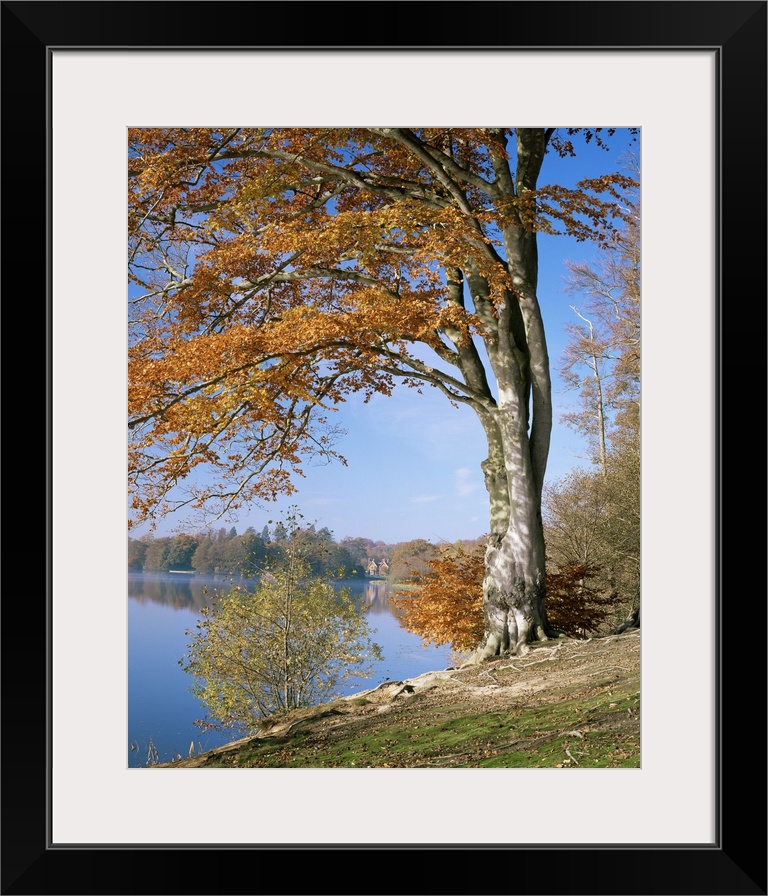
599 728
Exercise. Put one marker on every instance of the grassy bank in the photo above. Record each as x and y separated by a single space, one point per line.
568 704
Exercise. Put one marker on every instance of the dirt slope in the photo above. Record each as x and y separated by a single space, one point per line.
567 703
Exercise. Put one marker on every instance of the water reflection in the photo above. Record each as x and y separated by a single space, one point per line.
375 596
193 592
178 590
162 607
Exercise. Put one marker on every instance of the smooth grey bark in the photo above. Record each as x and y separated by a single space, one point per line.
514 589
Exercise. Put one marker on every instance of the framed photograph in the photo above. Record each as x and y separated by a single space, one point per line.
691 77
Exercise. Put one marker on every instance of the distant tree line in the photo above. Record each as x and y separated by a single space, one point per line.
227 552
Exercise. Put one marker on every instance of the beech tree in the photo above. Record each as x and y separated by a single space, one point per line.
275 271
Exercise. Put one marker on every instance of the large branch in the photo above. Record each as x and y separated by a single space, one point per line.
500 161
469 359
424 153
411 368
430 199
314 272
421 151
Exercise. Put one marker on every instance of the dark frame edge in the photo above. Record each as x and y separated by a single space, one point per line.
735 864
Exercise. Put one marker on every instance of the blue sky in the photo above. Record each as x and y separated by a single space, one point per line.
413 460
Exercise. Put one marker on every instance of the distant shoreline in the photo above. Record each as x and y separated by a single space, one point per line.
195 572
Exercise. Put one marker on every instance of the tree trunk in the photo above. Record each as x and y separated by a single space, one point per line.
518 429
514 587
632 621
513 600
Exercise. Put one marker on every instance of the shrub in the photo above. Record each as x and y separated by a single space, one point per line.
447 604
290 643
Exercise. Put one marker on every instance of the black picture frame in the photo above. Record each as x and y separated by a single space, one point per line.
736 863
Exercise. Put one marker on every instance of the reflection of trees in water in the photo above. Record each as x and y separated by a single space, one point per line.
183 592
375 596
176 591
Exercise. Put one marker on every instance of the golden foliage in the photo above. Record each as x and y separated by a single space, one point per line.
447 607
275 271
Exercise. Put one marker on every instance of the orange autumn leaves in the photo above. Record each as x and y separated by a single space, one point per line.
447 604
274 272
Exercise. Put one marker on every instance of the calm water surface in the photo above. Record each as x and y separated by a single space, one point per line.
161 709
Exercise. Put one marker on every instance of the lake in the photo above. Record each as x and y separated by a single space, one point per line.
161 709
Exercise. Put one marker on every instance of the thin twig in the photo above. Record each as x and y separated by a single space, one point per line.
572 757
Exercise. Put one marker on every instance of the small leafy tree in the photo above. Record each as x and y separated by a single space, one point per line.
411 558
592 520
292 642
448 604
181 549
574 606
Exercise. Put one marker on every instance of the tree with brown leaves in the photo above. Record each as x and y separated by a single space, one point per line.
276 271
447 604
